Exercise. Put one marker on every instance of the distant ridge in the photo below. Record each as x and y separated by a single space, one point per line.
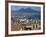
27 10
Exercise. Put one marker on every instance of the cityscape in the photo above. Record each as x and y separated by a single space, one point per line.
24 18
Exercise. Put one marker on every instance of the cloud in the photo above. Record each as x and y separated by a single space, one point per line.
14 8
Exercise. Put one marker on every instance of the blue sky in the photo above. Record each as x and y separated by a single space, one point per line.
14 8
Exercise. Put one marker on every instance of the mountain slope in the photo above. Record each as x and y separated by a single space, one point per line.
27 10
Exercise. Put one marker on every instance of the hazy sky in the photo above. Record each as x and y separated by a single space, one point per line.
14 8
